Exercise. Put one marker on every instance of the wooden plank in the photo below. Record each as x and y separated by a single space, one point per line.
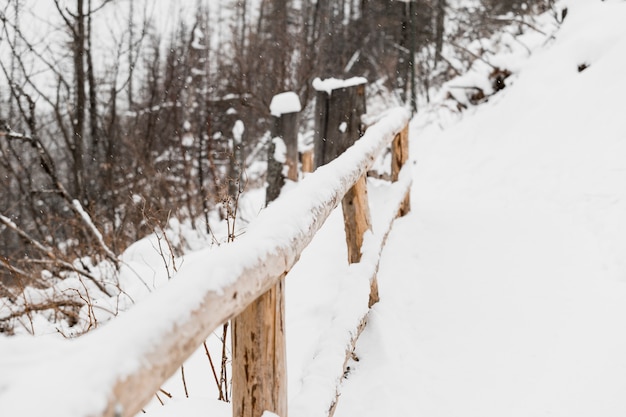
172 322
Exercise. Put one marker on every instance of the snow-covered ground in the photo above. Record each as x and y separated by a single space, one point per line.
503 292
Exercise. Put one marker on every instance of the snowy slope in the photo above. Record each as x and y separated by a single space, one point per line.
504 292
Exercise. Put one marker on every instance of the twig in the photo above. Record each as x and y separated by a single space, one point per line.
522 43
49 252
217 382
78 209
507 20
4 262
6 293
472 54
48 305
447 61
169 246
43 248
87 299
48 166
182 373
224 374
462 87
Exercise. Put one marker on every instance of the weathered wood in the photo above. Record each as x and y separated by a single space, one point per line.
284 132
307 161
237 161
356 217
374 297
400 155
339 126
259 366
259 356
357 221
337 121
275 177
131 369
286 128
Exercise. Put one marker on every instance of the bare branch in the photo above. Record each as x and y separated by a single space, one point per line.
46 305
462 48
66 19
49 252
520 21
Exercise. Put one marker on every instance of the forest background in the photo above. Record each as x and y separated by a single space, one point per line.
117 116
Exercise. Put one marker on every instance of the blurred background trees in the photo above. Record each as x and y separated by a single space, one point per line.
112 124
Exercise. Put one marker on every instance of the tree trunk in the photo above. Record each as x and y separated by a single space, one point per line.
78 122
93 104
439 29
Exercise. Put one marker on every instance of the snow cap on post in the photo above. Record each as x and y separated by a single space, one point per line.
285 103
330 84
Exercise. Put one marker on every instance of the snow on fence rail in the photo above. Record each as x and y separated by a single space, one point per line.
115 370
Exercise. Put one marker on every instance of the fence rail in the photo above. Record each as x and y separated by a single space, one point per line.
115 370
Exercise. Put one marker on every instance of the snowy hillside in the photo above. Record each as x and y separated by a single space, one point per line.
503 292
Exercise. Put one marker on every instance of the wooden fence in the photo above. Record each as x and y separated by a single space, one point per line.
116 369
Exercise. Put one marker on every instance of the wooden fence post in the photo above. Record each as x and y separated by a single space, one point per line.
307 161
356 216
285 108
258 335
259 356
400 155
236 160
338 110
275 177
339 107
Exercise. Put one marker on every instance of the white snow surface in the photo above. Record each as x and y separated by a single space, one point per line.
238 130
503 292
330 84
280 150
284 103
